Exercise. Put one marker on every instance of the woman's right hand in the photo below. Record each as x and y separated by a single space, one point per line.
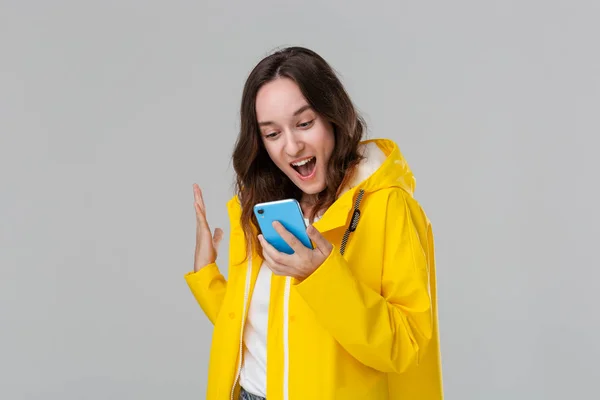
206 243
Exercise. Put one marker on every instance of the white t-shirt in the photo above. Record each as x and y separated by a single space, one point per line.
253 375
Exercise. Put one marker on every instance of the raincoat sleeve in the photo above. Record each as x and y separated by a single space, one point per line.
208 286
385 330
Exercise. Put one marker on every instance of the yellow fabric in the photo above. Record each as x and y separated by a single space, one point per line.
363 325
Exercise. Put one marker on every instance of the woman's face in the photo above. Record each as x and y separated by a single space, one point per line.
298 140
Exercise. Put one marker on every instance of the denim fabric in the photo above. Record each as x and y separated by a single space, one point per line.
249 396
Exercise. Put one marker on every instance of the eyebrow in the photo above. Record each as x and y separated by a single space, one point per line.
297 112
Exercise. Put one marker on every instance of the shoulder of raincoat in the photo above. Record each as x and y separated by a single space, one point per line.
364 324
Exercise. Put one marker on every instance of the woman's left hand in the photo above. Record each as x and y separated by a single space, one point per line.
304 261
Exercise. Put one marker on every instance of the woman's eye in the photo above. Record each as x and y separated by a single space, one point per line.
271 135
306 124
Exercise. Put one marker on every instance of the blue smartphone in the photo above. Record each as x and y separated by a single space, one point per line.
289 214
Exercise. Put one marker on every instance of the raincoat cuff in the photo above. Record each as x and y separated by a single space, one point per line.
194 278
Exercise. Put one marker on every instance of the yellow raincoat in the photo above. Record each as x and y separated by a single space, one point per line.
364 324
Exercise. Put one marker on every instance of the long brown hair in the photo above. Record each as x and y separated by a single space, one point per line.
258 178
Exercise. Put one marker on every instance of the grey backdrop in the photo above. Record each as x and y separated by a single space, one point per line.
110 110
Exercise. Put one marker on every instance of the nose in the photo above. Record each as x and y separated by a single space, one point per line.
293 145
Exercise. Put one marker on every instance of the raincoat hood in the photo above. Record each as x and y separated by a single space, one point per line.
382 167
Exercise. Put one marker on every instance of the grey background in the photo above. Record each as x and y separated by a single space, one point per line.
109 111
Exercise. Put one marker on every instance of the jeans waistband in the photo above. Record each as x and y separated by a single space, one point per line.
249 396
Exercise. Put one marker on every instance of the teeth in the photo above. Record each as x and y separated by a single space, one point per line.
300 163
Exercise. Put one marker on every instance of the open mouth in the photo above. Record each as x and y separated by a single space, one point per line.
305 167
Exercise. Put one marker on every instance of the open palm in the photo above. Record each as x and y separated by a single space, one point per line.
207 243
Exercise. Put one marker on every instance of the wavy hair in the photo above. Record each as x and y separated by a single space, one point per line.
258 179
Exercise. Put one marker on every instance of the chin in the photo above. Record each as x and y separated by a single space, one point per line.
311 190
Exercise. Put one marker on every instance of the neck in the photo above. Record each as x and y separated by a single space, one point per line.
307 203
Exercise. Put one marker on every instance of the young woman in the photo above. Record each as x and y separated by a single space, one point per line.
353 318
